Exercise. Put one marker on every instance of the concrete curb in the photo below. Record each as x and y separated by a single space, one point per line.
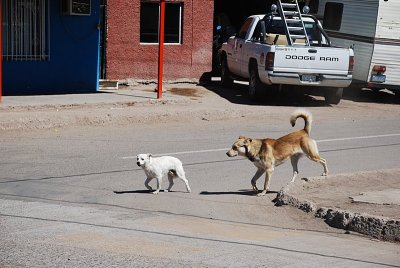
382 228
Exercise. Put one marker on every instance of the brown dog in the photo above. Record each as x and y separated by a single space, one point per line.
267 153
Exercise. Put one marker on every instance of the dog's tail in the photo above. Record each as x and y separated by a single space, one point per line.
306 115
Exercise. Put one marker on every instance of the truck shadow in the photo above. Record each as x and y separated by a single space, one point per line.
238 95
306 97
372 96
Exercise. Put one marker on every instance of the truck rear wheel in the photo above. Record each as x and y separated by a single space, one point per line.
226 79
255 85
333 95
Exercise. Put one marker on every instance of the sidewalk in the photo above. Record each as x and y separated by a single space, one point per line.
139 94
364 202
113 107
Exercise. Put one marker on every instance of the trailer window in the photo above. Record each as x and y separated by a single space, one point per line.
333 16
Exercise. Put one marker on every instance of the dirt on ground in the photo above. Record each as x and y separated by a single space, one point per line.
189 102
342 192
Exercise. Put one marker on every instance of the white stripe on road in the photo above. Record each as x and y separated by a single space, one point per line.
361 137
184 152
225 149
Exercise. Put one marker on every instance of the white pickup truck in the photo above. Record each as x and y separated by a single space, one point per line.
287 49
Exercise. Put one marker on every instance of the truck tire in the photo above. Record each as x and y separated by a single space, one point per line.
226 79
333 95
255 86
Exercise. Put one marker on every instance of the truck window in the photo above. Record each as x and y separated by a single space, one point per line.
275 27
257 34
312 32
244 29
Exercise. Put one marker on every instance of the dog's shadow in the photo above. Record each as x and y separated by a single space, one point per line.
133 192
141 192
240 192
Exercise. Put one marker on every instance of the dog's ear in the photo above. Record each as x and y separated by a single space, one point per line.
247 141
242 137
149 156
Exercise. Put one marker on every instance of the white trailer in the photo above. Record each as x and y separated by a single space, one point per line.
372 29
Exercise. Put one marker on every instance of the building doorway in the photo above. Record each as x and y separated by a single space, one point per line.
103 39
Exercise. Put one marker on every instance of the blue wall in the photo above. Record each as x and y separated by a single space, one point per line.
73 66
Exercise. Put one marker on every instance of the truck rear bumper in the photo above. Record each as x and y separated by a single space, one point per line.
295 79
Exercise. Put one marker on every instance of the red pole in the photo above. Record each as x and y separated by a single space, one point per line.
1 51
161 49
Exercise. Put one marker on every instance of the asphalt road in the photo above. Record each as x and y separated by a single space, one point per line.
75 198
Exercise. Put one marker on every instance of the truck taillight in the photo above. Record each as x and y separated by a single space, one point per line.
351 64
269 61
379 69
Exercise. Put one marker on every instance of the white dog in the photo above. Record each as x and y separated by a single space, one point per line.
157 167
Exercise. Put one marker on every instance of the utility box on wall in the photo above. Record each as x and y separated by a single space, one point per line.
76 7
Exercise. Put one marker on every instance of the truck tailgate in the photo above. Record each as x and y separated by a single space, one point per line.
311 60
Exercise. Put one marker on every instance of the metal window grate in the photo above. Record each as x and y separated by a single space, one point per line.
25 30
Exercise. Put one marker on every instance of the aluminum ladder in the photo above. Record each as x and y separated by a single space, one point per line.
294 25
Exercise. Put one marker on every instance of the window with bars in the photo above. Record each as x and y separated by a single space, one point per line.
149 22
25 30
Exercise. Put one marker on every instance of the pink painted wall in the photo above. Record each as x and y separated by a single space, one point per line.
128 59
